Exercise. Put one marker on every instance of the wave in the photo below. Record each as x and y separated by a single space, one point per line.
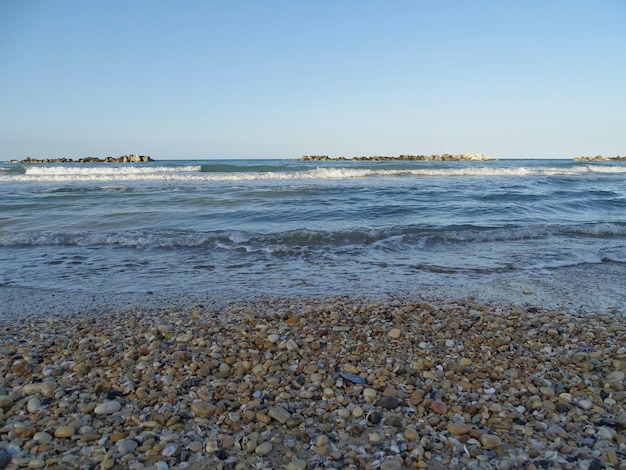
107 170
234 173
395 238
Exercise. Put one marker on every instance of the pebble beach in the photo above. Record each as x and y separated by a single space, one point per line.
308 383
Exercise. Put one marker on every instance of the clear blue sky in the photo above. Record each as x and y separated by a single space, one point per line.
245 79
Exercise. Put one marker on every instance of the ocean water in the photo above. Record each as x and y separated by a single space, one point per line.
545 232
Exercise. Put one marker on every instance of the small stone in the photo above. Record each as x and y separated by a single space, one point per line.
108 407
357 412
279 413
295 420
90 436
107 463
611 457
490 441
126 446
292 321
195 446
374 417
392 464
596 464
616 376
343 413
389 403
297 464
36 463
33 405
369 394
585 404
605 433
203 409
64 431
45 389
457 429
212 446
6 402
273 338
394 333
291 345
411 434
262 417
169 450
263 449
42 438
439 407
321 441
374 438
393 419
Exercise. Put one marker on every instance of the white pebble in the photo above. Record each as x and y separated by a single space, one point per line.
108 407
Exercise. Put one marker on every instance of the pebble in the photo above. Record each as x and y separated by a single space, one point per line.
457 429
321 440
391 464
411 434
42 437
277 383
203 409
389 403
297 464
439 407
394 333
279 413
108 407
369 394
263 449
126 446
64 431
490 441
33 405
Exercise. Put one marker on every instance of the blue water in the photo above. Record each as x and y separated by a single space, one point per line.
552 231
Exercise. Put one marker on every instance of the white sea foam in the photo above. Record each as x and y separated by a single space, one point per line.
193 173
108 170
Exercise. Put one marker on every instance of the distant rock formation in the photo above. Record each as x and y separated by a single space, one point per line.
600 158
131 158
478 157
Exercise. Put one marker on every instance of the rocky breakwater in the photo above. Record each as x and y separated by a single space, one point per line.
479 157
131 158
600 158
315 383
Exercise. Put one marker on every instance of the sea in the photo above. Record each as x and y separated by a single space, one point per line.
88 237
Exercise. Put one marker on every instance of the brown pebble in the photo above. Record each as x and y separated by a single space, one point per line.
64 431
439 407
490 441
457 429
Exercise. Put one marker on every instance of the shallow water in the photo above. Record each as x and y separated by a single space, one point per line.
541 231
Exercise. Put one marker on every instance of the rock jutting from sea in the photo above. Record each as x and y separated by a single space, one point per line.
131 158
475 157
600 158
428 158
